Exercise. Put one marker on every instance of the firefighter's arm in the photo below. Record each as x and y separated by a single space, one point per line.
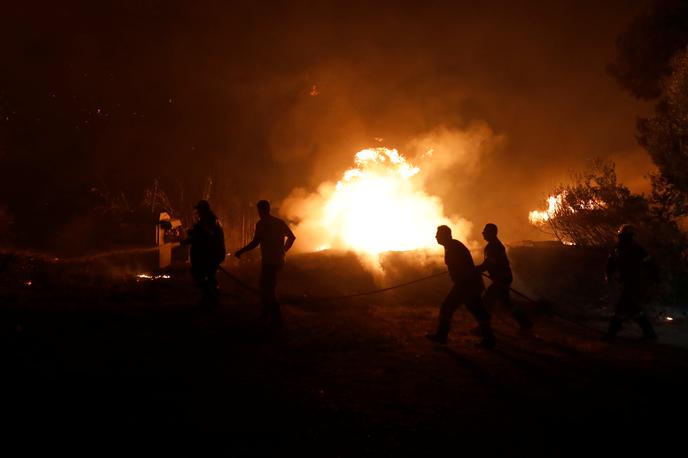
290 238
221 235
486 264
250 246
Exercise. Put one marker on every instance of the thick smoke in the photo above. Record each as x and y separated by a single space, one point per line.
122 93
446 160
452 158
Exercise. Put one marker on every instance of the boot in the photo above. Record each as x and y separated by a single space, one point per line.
488 338
439 336
523 321
276 321
263 317
648 331
614 328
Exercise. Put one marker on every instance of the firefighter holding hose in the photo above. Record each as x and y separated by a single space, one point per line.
207 241
467 289
496 264
275 239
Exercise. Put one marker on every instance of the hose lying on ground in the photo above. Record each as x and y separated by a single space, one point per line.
306 297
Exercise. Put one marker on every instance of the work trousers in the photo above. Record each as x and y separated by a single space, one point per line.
268 285
205 277
500 292
630 305
460 295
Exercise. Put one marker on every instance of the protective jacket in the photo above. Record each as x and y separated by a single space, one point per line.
207 240
496 263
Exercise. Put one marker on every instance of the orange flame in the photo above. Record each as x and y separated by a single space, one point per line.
378 205
557 203
553 204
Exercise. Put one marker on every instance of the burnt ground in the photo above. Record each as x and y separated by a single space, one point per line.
135 367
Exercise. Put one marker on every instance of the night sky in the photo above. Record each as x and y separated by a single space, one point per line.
269 96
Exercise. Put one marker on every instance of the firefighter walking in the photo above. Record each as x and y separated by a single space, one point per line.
270 234
496 264
467 289
636 271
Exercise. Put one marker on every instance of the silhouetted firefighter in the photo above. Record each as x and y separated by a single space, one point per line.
636 271
496 264
467 289
270 234
207 240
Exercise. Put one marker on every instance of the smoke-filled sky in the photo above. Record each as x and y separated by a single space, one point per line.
270 96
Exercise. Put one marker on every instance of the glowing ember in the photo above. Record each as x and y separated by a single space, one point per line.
379 205
153 277
28 283
669 318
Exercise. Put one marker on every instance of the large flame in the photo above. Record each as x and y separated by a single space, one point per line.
378 205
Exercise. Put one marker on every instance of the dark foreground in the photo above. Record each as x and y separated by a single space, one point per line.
140 368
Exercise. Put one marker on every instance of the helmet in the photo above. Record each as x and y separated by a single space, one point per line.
202 206
626 231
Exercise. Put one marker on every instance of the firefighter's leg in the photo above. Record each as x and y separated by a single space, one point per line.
268 284
616 322
265 294
490 297
646 326
615 325
200 278
447 309
211 282
633 296
477 308
276 309
503 294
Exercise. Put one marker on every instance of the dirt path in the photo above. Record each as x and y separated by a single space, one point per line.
145 370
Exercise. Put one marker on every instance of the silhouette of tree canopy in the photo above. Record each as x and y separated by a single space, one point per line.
665 137
645 50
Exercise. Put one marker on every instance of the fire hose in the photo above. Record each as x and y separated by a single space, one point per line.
332 298
253 290
367 293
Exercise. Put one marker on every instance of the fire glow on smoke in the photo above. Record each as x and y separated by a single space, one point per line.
379 205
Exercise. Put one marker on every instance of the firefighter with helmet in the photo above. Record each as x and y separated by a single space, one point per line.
636 271
207 240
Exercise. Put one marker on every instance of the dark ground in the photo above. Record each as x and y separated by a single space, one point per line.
131 367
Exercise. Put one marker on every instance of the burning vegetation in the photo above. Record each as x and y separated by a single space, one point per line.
378 205
588 210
